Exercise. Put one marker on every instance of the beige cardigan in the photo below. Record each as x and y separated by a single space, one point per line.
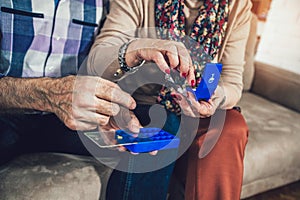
135 18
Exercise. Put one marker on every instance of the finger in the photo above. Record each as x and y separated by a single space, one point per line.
210 107
153 153
88 116
108 136
106 108
195 104
101 120
112 123
160 61
191 79
81 126
186 65
184 105
184 59
204 109
172 55
122 149
208 104
134 125
127 119
133 153
193 108
122 119
111 92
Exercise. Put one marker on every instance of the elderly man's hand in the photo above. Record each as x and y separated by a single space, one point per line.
125 119
85 102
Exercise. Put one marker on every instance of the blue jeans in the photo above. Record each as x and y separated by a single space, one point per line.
21 134
149 185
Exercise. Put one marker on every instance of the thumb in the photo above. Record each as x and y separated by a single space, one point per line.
134 124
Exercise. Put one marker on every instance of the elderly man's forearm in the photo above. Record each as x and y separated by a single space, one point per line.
20 95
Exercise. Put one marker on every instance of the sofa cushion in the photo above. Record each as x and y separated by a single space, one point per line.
53 176
277 85
272 152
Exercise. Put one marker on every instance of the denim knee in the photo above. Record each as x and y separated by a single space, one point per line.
8 144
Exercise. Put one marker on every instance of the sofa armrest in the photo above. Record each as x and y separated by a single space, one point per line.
278 85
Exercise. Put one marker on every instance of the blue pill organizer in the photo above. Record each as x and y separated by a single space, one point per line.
209 81
149 139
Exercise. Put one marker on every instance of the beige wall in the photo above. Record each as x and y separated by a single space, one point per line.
280 39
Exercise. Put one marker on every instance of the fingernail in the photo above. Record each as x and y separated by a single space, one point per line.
132 105
192 83
120 149
198 81
135 128
167 71
178 97
184 75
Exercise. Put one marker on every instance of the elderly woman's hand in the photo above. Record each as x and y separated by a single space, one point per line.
191 107
166 54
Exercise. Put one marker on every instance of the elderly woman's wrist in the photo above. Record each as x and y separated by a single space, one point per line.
128 60
132 57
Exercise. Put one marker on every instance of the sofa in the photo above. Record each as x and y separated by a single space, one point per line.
271 108
53 176
270 104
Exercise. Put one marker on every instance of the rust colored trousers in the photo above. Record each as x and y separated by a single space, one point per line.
212 168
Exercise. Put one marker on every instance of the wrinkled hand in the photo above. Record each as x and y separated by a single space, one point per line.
166 54
125 119
202 109
85 102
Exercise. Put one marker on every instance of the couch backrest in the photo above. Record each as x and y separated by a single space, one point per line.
277 85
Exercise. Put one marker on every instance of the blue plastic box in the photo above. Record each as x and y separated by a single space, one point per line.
149 139
209 81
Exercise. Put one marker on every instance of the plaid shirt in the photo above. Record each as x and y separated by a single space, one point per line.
40 38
